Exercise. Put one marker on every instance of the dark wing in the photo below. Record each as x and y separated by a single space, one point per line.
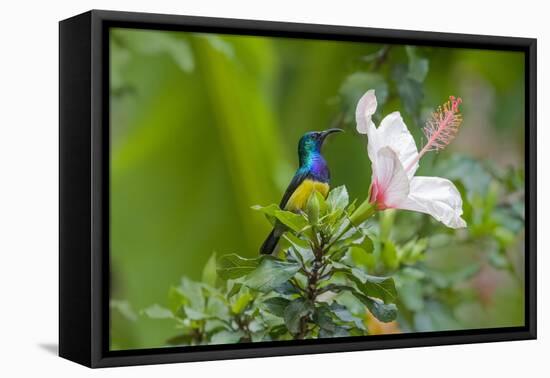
298 178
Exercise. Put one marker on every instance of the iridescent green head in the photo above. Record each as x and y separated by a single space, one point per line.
311 142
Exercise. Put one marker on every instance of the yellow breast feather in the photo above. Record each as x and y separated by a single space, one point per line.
298 199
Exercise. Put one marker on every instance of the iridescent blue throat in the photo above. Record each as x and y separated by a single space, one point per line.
313 163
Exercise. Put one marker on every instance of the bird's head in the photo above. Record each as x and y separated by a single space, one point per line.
313 140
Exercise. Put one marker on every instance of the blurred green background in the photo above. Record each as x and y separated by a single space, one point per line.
204 126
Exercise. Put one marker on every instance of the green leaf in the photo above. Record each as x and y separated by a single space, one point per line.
418 67
472 173
293 221
214 325
345 315
411 295
124 308
360 257
323 206
209 271
271 321
435 317
233 288
410 91
338 198
234 266
338 252
216 307
337 288
193 294
412 251
336 219
498 260
338 332
295 311
193 314
286 288
276 305
383 312
342 312
176 299
354 235
389 255
367 245
355 306
270 274
377 55
387 219
300 246
278 331
322 317
313 209
379 287
267 210
226 337
372 286
158 312
241 302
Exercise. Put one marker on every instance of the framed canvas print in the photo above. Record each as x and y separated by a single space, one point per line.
234 188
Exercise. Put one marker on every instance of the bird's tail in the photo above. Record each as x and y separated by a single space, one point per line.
270 243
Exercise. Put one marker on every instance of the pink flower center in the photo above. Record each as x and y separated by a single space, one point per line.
378 196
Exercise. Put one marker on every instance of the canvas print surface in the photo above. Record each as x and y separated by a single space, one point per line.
266 189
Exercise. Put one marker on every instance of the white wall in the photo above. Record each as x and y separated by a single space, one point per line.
28 186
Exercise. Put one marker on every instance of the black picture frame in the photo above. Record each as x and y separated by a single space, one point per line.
84 188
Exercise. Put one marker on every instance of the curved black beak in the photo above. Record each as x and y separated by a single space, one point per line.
327 132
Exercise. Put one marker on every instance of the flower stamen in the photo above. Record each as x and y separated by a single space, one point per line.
441 127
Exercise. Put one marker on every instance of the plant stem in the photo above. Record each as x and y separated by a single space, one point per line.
378 57
361 214
297 285
319 247
313 277
242 325
303 328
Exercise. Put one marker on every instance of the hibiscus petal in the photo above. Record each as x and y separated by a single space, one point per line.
394 133
437 197
391 181
366 107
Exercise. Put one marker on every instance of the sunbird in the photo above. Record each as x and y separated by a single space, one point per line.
312 176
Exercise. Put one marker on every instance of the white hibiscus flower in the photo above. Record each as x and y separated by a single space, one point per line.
395 159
